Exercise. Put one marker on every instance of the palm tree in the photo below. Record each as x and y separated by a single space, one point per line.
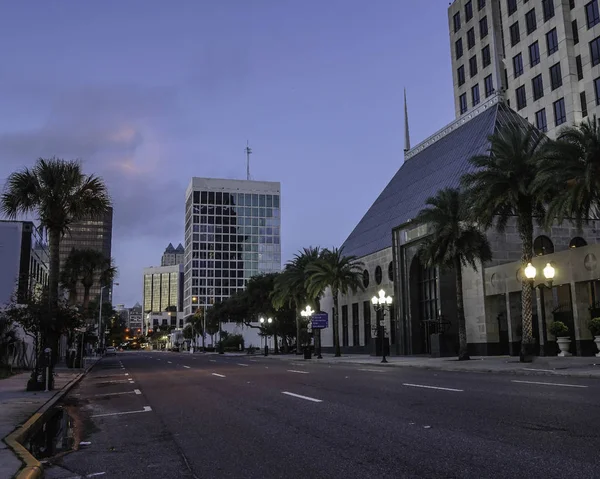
95 266
454 242
340 273
71 274
502 187
571 168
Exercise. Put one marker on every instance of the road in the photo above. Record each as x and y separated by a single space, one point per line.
176 415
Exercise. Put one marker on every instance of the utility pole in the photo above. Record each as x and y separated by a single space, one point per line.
248 153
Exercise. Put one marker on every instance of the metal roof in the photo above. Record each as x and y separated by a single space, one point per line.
436 163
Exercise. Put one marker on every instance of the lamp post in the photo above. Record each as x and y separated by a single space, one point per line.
549 272
100 335
381 303
263 322
307 313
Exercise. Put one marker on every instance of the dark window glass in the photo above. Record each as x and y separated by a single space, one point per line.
552 41
537 85
463 103
534 54
542 245
468 10
473 66
458 48
456 22
515 36
475 95
579 67
595 51
583 101
592 14
391 267
571 4
575 32
521 98
355 325
512 6
471 38
518 65
480 4
548 9
530 21
486 58
577 242
365 278
489 85
460 73
483 27
555 76
560 115
540 120
367 321
378 275
597 90
345 325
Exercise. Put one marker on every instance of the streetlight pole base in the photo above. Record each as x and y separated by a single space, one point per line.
384 360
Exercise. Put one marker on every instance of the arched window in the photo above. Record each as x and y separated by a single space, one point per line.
391 271
366 278
542 245
378 275
577 242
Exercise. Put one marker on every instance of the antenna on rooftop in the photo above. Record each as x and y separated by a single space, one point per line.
248 153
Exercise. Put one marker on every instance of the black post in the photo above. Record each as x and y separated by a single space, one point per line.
382 325
319 348
266 345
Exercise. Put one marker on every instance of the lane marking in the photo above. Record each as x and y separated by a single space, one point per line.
306 398
186 366
550 384
253 360
218 375
95 474
213 360
146 409
116 394
169 362
242 364
126 374
432 387
373 370
137 391
298 372
536 369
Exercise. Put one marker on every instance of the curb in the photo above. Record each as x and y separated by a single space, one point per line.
33 469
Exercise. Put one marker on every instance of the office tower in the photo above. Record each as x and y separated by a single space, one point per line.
162 288
232 232
543 55
93 234
172 255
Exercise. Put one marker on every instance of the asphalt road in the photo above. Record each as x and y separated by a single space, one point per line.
176 415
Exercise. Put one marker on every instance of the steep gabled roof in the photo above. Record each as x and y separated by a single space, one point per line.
170 249
180 249
438 162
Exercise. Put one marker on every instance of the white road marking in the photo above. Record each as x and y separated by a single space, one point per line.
536 369
218 375
253 360
146 409
242 364
126 374
169 362
115 394
300 396
550 384
373 370
120 381
186 367
299 372
213 360
432 387
96 474
137 391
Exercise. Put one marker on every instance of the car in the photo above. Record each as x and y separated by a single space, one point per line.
110 351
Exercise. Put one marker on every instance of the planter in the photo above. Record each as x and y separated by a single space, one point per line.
597 341
564 345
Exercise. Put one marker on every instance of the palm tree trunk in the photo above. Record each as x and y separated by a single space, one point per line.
54 270
86 297
526 233
336 332
463 348
298 331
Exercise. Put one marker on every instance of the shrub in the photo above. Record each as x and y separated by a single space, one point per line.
594 326
558 329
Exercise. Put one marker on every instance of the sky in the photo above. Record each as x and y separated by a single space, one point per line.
149 93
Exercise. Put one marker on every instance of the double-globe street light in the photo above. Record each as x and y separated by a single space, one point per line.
263 323
381 303
549 272
307 313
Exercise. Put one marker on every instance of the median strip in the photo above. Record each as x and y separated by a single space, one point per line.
299 396
432 387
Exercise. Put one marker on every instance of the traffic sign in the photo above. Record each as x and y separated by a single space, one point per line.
320 320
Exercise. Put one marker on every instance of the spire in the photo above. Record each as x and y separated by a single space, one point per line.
406 130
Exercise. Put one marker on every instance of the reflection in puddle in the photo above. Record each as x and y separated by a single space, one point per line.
55 436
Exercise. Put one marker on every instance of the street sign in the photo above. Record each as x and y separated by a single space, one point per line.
320 320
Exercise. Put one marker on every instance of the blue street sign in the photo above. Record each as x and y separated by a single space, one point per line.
320 320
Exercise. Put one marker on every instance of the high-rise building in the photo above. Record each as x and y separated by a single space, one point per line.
95 234
543 55
163 296
232 232
173 255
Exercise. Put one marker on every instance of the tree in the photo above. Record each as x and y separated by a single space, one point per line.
503 186
71 274
338 272
454 242
570 171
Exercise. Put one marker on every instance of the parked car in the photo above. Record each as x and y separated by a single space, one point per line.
110 351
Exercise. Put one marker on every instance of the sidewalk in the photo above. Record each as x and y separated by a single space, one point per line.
17 405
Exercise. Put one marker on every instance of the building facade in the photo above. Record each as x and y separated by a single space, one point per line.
232 232
163 296
543 55
172 255
95 234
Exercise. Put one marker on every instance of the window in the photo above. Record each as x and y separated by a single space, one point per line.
475 95
575 32
460 73
555 76
345 325
552 41
571 4
518 65
391 271
473 66
579 67
367 321
560 116
483 27
521 98
577 242
456 22
512 6
489 85
583 101
597 90
486 58
458 48
355 325
548 8
515 37
365 278
378 275
530 21
534 54
463 103
592 14
468 11
540 120
471 38
537 85
542 245
480 4
595 51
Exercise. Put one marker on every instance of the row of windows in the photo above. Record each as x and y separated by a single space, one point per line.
240 237
242 223
233 199
560 115
235 211
468 13
547 8
475 96
378 275
486 60
483 32
537 85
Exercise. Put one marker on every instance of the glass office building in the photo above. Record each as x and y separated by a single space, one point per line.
232 232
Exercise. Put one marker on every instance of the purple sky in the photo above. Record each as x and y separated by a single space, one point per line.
149 95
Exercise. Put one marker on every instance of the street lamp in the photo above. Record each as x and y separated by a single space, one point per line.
262 322
307 313
381 303
549 273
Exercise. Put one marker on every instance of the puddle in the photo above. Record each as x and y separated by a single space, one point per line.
55 436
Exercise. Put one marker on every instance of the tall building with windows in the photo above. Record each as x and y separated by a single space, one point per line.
172 255
543 55
163 296
232 232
